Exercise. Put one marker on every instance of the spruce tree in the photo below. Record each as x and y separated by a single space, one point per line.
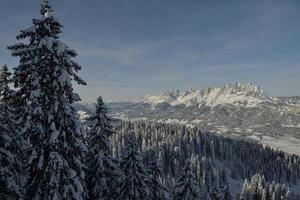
157 189
257 186
49 125
246 191
133 183
5 91
186 186
103 172
10 165
6 101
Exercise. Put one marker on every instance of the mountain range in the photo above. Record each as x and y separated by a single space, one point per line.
242 111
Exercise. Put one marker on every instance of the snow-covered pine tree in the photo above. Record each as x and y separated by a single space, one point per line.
157 189
49 124
9 102
10 165
257 186
5 100
246 191
186 186
5 91
103 172
133 183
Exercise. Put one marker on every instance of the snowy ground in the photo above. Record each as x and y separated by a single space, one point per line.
287 141
288 144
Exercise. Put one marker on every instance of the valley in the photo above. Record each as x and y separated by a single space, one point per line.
242 111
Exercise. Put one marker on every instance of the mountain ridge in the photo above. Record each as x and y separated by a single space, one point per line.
234 93
273 121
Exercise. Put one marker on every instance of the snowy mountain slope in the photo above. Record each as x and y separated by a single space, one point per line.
235 94
233 110
294 100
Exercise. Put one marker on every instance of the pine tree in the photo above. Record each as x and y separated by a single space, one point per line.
157 189
10 165
49 124
257 186
133 184
103 173
5 91
246 191
186 186
5 101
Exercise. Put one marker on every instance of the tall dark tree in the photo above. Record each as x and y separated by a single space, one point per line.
10 165
5 91
49 124
133 183
186 186
6 100
157 188
257 186
103 172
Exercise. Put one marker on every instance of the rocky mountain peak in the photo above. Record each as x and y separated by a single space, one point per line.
233 93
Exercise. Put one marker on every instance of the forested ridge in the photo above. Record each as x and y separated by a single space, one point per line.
215 159
179 143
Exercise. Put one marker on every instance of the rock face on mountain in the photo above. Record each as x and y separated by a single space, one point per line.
237 110
234 94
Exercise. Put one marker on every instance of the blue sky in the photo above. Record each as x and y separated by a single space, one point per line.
129 48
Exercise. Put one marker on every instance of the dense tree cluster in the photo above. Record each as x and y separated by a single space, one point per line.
11 165
258 189
46 153
214 159
186 186
103 174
